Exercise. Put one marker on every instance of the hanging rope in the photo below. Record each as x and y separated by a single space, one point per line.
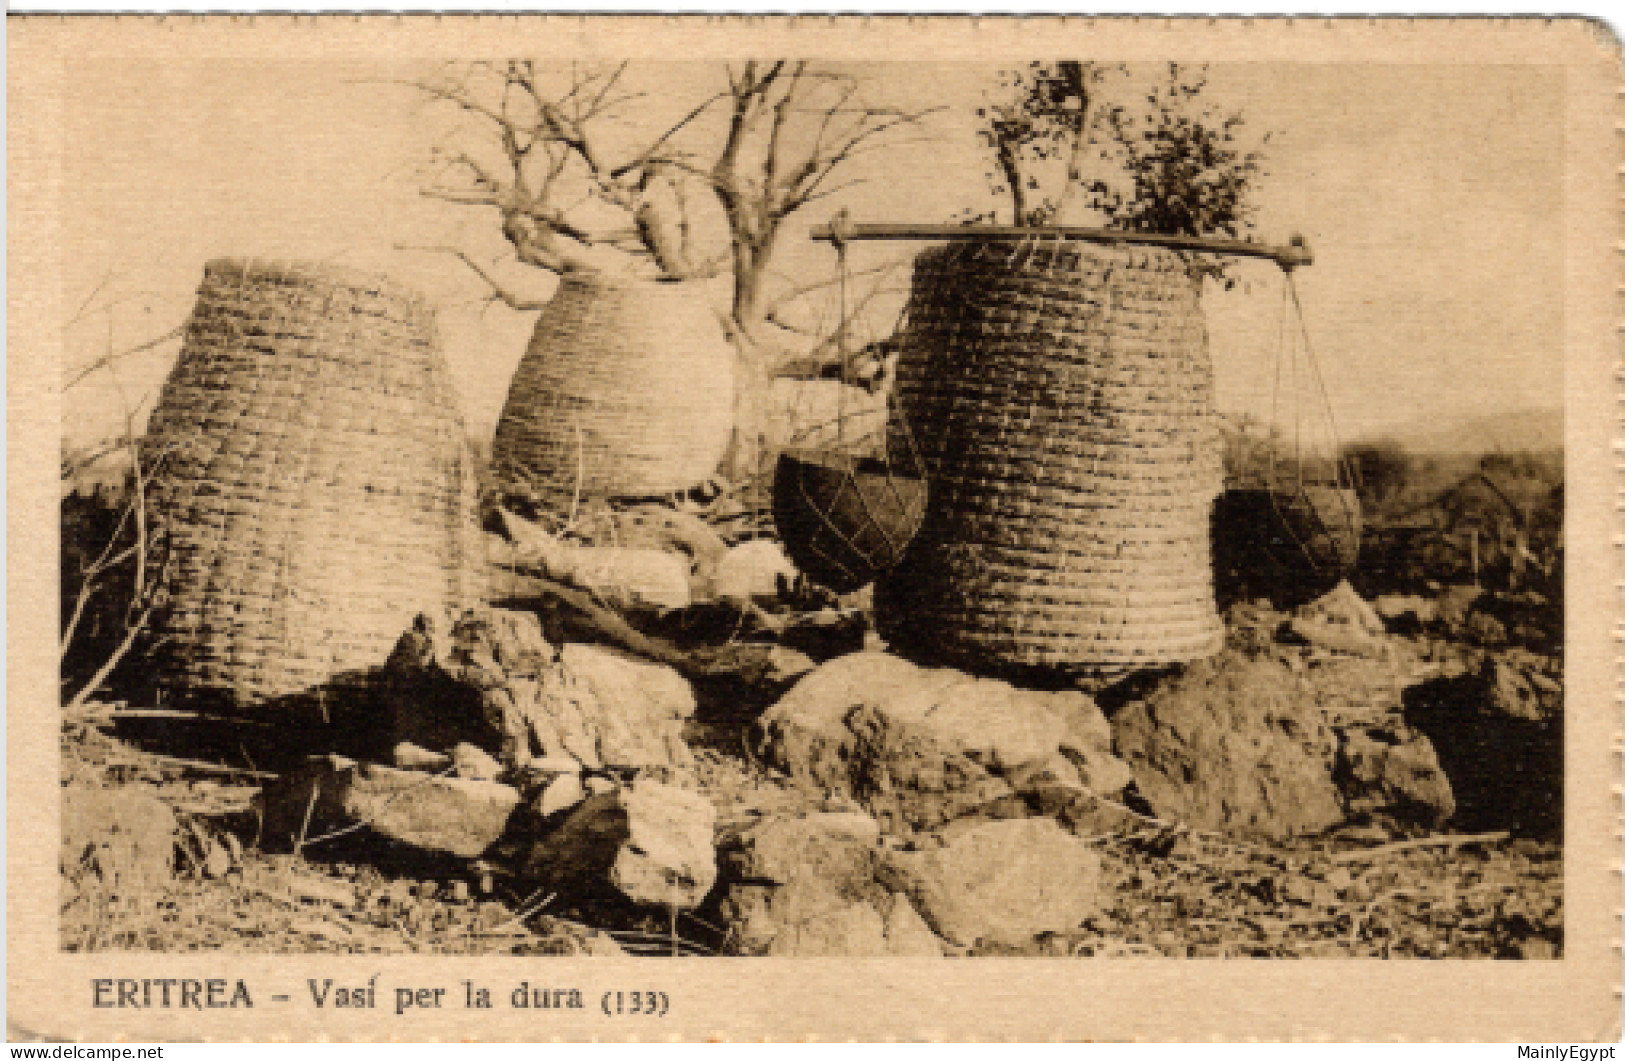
1307 509
844 517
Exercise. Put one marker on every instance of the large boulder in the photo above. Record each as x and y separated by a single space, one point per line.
631 710
456 678
488 677
909 777
453 815
1341 621
805 887
920 746
651 842
1394 773
125 836
1233 744
999 882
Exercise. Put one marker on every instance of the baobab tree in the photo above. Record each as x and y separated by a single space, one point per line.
582 171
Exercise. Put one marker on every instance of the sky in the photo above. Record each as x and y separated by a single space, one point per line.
1430 196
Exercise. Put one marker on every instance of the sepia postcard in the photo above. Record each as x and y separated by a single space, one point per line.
790 528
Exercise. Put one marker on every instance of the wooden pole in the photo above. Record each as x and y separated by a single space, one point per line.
1289 257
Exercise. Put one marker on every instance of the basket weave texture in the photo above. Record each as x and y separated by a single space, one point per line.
1062 398
627 389
312 477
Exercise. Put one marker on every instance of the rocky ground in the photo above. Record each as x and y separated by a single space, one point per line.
1350 778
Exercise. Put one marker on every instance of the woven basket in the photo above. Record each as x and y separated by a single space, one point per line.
627 390
313 477
1062 399
844 520
1292 543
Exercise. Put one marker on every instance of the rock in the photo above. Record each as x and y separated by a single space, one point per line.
918 746
1522 692
125 836
836 846
1381 772
805 733
1082 813
999 882
805 887
562 793
467 677
851 930
992 722
490 679
910 779
652 842
1454 604
1342 606
907 934
408 756
621 577
472 763
640 707
667 529
630 579
1485 629
1341 621
1056 770
454 815
1498 734
1337 637
1235 745
1394 609
753 570
217 861
785 666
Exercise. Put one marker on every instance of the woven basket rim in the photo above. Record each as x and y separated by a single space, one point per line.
314 273
1044 246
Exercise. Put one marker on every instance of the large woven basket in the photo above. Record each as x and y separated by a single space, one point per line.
313 479
627 390
1062 398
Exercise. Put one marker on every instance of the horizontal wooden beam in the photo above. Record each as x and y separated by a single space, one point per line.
1294 254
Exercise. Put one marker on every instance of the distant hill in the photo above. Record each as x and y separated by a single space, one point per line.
1516 431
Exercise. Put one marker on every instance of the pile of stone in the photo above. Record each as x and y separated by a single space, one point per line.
566 761
926 811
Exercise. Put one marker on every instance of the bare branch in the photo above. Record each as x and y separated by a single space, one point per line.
117 355
652 152
509 297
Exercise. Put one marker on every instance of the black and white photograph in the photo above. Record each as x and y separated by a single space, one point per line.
1052 504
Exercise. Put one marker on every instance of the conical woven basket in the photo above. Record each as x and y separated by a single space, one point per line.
1062 397
627 390
312 477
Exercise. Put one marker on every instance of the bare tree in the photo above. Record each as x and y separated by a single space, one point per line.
115 558
131 570
581 179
